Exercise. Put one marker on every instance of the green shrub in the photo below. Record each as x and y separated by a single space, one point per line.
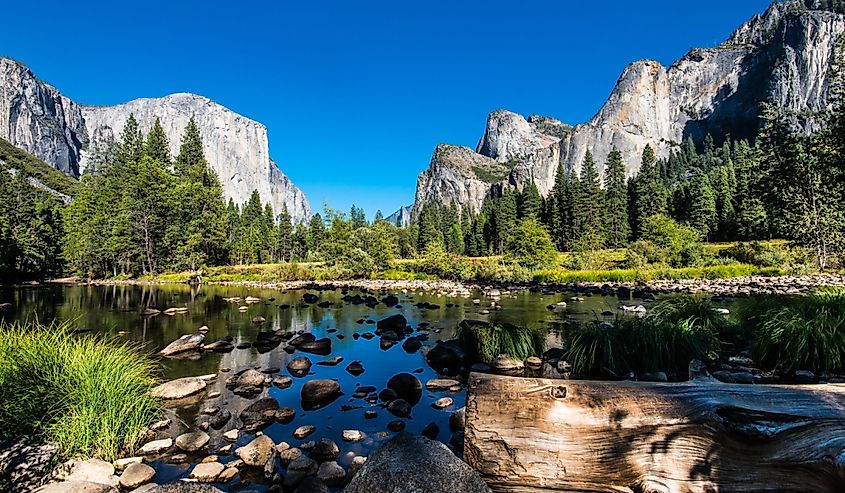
89 396
760 254
598 349
530 245
801 333
483 341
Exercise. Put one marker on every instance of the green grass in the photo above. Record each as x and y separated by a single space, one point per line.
36 168
652 274
484 342
89 396
803 332
640 345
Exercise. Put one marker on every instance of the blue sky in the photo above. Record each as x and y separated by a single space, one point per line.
356 95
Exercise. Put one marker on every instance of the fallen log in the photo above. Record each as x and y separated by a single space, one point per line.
532 434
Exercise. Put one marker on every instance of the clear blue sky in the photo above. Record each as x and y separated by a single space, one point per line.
356 95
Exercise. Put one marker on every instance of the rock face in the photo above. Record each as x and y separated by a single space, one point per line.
782 56
37 118
413 463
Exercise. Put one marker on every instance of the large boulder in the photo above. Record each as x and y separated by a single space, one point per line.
413 463
24 464
76 487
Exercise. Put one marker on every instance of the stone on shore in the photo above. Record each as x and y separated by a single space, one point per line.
258 452
192 442
207 472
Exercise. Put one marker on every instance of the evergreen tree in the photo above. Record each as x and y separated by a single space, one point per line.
190 164
702 213
589 207
378 217
317 229
131 146
616 226
530 202
648 193
284 236
358 218
157 147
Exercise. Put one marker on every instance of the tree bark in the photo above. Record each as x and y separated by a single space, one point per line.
529 434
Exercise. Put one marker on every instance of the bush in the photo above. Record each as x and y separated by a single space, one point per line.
89 396
679 246
801 333
483 341
357 264
530 245
760 254
697 310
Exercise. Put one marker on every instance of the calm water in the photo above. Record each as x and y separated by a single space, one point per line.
114 311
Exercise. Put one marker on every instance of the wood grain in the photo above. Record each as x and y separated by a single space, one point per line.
530 434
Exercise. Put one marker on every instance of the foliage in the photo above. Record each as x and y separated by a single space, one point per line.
530 245
484 342
89 396
762 254
31 228
15 158
802 333
697 310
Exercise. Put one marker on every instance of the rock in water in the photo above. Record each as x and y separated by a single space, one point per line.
188 342
446 357
406 386
136 474
258 452
396 323
259 414
413 463
318 393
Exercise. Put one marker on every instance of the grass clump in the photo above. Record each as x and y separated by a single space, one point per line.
678 330
802 332
89 396
484 342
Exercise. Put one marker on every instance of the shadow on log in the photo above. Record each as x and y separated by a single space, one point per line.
531 434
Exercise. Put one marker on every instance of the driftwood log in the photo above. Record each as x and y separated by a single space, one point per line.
535 435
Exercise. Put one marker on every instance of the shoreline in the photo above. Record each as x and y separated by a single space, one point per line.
737 286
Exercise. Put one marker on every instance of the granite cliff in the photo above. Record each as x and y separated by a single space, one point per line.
35 117
782 56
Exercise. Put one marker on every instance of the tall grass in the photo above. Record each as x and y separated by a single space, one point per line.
802 332
89 396
697 310
484 342
666 340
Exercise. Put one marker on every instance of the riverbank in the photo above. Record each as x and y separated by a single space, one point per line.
736 286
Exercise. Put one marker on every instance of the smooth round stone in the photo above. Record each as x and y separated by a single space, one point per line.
303 464
325 450
303 431
257 452
136 474
289 455
179 388
207 472
396 425
441 384
156 446
443 403
191 442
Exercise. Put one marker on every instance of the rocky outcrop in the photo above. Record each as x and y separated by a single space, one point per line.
402 217
35 117
782 56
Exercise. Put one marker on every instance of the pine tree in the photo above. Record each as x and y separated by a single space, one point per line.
190 164
157 147
617 226
317 230
505 219
702 214
589 207
430 230
530 202
131 146
378 217
284 235
357 217
648 193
